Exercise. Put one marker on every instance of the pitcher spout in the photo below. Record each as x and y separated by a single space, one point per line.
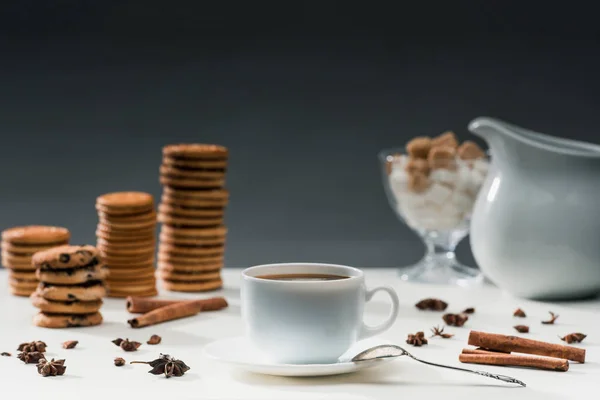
498 133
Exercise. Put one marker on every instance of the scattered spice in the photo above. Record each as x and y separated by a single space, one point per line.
154 339
519 313
119 362
70 344
32 357
521 328
455 319
432 304
469 310
417 340
51 368
5 354
167 365
437 331
553 318
33 346
126 344
573 337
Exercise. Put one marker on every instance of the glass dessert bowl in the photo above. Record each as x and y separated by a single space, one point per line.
432 185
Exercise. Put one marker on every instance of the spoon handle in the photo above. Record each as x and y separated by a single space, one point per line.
503 378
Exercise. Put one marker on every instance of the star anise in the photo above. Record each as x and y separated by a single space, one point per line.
553 318
119 362
51 368
522 328
455 319
5 354
417 340
70 344
470 310
437 331
432 304
33 346
32 357
519 313
574 337
154 339
167 365
126 344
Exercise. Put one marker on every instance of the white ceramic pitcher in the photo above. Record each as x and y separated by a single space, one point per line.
535 229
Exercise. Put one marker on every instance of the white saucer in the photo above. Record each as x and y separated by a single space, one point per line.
238 352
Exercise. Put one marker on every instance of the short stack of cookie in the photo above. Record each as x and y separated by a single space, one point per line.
71 286
127 242
192 209
18 246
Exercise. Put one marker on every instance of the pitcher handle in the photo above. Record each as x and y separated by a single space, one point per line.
368 331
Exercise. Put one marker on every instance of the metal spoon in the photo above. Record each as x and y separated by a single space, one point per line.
390 350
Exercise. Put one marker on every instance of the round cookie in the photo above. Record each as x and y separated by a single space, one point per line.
144 216
29 250
65 307
148 293
192 173
171 219
130 275
128 260
18 291
67 256
178 182
74 276
170 267
145 252
130 265
110 229
175 276
200 286
126 200
183 241
132 289
198 163
36 234
87 292
177 259
219 231
29 284
127 236
169 249
140 283
129 226
23 275
195 151
123 245
47 320
184 212
197 194
192 202
10 259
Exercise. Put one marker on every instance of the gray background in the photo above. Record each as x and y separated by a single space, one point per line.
304 98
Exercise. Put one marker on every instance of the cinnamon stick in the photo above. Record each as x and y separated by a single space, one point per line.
509 344
143 304
166 313
479 350
553 364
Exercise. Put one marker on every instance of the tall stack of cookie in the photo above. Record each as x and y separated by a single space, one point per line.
192 237
127 241
18 246
71 286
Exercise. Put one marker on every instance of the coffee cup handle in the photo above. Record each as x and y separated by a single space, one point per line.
368 331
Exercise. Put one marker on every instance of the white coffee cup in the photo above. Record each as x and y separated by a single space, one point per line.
308 321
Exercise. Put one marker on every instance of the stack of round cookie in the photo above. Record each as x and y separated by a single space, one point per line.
192 237
18 246
71 286
127 241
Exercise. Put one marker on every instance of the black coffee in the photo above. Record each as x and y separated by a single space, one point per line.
303 277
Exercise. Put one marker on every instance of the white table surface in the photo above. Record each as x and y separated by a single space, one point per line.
91 373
